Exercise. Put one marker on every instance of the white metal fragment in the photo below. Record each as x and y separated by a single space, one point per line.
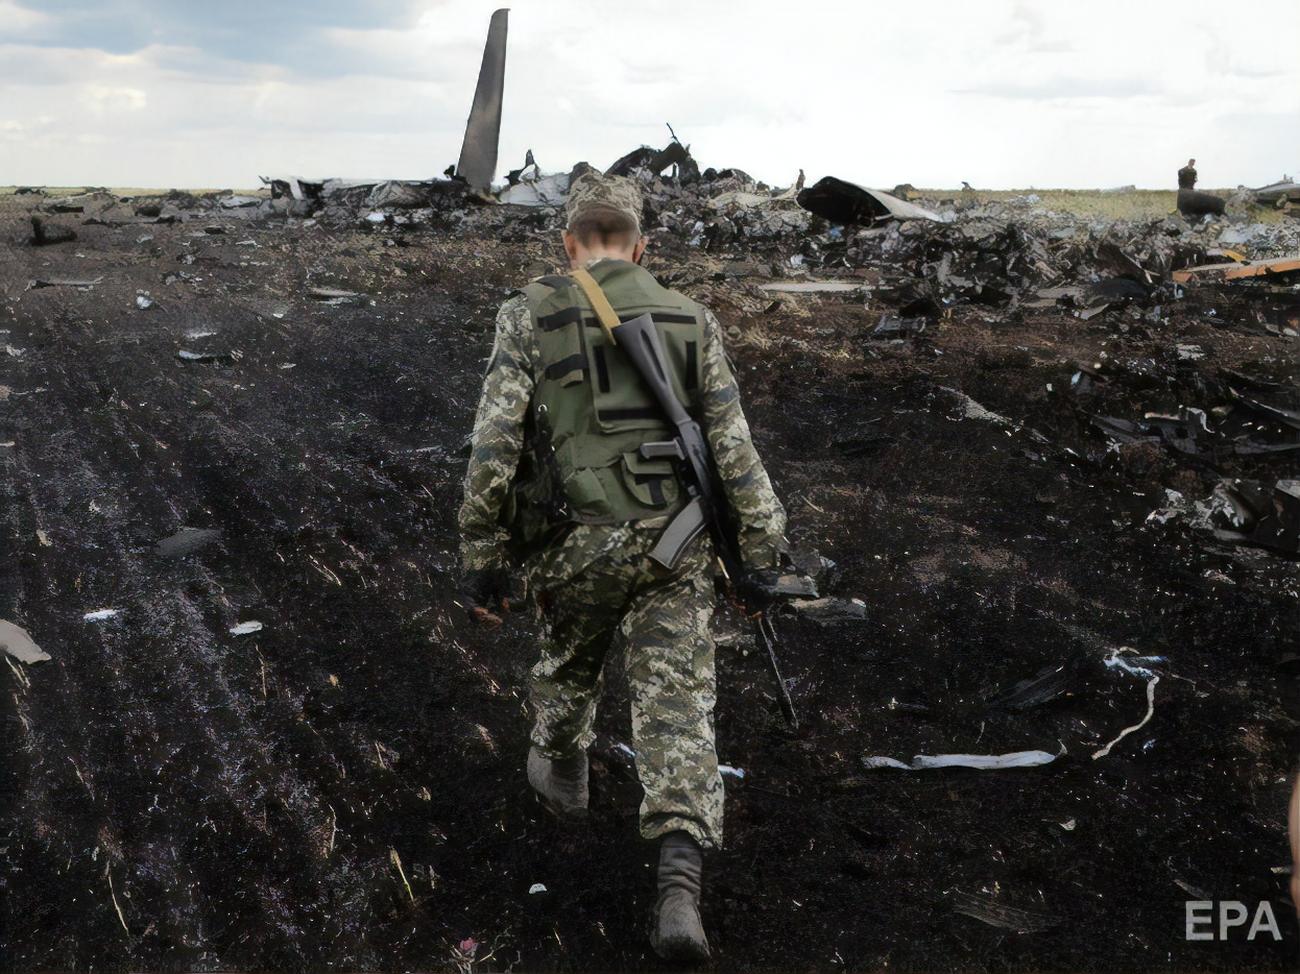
535 889
872 763
246 628
1125 658
99 615
980 762
973 410
16 641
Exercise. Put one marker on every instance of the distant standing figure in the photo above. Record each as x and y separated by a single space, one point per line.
1192 202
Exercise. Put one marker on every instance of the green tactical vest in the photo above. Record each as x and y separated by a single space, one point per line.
591 410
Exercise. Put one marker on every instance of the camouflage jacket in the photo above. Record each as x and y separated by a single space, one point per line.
498 442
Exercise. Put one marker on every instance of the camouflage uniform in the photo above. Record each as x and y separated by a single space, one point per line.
597 584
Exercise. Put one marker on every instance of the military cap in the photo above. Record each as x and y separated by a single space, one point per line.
595 191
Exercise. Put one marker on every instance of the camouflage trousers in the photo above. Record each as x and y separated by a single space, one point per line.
597 590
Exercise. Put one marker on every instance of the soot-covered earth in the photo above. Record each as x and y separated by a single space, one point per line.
342 788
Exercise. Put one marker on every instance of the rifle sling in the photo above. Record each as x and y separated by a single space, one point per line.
599 303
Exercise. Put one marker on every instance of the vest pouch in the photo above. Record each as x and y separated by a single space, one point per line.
652 482
586 494
559 339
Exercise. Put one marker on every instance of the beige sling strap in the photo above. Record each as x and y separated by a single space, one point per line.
599 303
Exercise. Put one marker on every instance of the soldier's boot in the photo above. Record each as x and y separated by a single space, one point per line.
561 784
678 931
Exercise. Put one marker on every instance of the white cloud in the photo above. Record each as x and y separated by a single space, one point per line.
111 99
19 20
1000 93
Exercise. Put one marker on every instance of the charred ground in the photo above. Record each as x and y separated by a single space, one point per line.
178 797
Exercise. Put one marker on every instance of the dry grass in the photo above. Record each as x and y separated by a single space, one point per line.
1135 204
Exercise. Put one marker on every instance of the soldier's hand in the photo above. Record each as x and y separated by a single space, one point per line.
759 589
487 590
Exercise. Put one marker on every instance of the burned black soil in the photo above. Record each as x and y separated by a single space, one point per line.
180 797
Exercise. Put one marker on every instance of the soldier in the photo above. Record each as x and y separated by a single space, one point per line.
556 486
1187 175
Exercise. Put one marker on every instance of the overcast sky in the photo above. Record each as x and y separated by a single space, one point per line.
1002 93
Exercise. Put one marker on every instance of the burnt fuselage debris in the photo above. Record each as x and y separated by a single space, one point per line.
1191 201
844 202
45 233
655 161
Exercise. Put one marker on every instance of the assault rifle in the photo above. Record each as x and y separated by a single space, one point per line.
706 508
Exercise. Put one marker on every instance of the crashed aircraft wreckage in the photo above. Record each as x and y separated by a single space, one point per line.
478 153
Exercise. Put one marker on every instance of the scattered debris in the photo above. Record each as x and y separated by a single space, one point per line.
246 628
1286 190
848 203
830 611
16 641
1192 202
83 284
529 186
895 327
186 355
987 909
654 161
1259 516
980 762
992 295
796 586
336 297
186 541
1234 270
99 615
1048 684
44 234
970 409
811 287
